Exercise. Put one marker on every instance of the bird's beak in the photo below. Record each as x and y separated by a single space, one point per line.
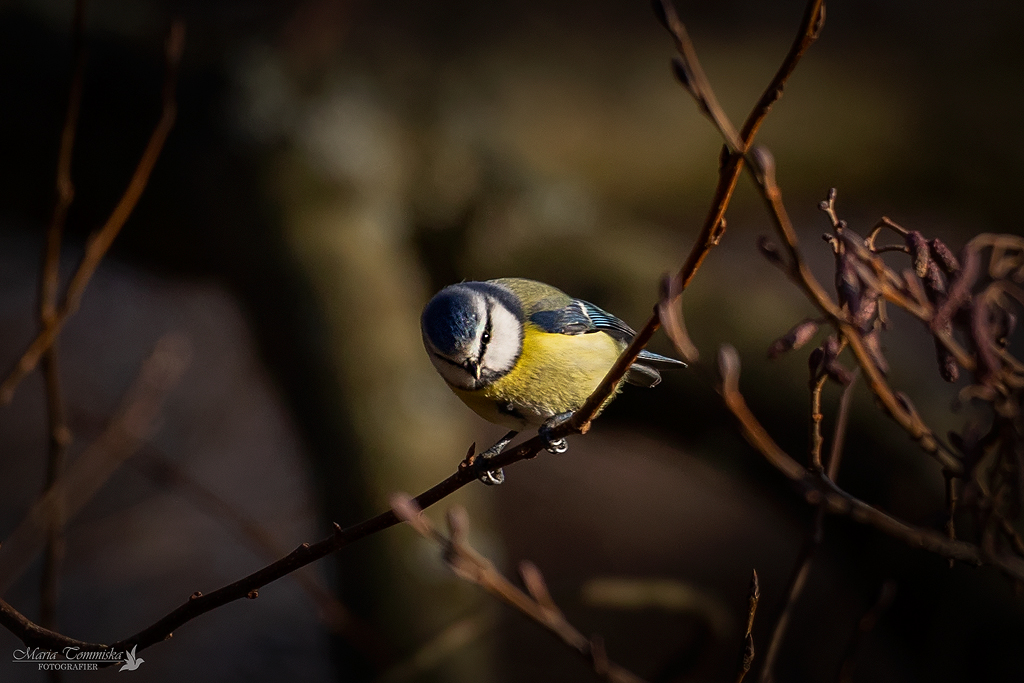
473 368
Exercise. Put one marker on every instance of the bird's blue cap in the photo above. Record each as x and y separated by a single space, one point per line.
450 320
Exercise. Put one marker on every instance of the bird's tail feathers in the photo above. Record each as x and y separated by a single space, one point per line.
649 357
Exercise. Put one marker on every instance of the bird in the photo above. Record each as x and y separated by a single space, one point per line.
523 354
131 662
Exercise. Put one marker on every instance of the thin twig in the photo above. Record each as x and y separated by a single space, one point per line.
199 603
815 534
747 659
764 174
817 384
49 283
835 455
99 243
950 482
537 604
714 224
797 581
79 482
728 175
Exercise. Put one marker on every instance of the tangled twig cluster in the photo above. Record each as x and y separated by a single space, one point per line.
970 305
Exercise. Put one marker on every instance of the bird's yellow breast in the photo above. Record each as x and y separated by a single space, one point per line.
555 374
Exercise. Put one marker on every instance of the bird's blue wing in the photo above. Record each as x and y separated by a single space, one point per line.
581 317
606 322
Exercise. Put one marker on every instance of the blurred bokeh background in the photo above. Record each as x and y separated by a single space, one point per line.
333 164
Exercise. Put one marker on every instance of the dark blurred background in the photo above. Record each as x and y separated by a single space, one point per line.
336 162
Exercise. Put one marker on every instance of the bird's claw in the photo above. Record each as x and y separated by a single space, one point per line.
492 477
497 475
556 446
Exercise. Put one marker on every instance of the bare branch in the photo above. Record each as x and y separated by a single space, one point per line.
817 383
537 605
835 455
764 173
100 242
820 491
714 225
729 172
333 613
49 283
797 581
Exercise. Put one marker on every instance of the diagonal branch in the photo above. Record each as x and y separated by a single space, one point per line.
714 224
732 166
248 587
334 614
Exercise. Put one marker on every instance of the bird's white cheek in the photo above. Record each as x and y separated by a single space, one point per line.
506 342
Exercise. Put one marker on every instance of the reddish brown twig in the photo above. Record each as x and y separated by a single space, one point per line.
763 170
49 283
835 455
797 581
98 245
199 603
764 173
535 603
714 225
820 491
815 534
732 166
79 483
747 658
817 384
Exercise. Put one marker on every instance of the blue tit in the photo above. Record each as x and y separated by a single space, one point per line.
522 353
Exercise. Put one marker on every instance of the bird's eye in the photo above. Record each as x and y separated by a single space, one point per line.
485 337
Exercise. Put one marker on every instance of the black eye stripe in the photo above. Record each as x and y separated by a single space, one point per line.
485 338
